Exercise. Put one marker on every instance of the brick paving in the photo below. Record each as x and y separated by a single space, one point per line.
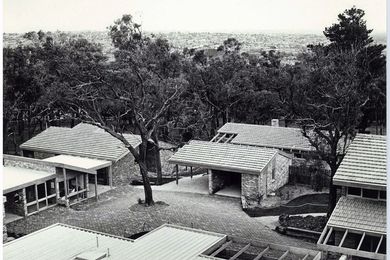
118 213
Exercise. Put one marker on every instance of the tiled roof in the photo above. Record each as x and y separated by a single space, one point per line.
359 214
364 163
63 242
223 156
82 140
267 136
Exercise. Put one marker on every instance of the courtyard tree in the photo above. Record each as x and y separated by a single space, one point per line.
134 92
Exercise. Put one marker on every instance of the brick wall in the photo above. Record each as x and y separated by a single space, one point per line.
216 181
281 165
28 163
43 155
250 190
124 170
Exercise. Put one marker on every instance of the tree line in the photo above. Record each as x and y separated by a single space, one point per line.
332 91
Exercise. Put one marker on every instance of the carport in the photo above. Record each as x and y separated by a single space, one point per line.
244 167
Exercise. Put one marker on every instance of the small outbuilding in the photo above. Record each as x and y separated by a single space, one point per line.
254 171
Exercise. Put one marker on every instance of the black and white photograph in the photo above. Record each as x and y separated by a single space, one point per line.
194 130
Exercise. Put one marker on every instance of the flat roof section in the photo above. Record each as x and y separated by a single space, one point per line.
364 165
15 178
359 214
267 136
82 163
65 242
224 156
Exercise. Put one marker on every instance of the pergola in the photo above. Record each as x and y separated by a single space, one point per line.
80 164
360 220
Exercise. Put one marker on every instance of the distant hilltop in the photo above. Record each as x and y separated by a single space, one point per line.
289 45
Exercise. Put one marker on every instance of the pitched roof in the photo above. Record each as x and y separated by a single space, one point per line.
359 214
365 163
65 242
15 178
82 140
224 156
267 136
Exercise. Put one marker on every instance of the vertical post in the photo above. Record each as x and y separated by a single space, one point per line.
65 183
177 174
85 186
96 192
110 175
36 196
47 202
24 201
57 188
191 172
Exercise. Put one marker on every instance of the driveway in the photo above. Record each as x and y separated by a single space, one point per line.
118 213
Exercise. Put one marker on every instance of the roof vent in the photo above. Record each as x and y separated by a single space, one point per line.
91 255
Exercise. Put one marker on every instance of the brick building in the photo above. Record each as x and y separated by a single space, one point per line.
86 141
357 226
256 172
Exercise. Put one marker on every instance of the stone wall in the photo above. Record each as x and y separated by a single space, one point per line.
43 155
250 190
5 235
216 181
124 170
28 163
16 202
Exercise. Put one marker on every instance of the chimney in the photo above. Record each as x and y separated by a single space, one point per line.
275 122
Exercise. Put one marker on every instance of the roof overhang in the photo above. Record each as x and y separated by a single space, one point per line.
15 178
358 184
79 163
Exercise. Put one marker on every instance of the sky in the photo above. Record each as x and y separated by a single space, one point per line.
289 16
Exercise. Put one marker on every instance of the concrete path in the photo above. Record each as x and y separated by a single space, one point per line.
118 213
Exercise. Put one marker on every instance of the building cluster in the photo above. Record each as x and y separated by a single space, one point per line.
68 165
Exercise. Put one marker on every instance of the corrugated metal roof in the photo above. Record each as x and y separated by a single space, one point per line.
15 178
267 136
83 140
62 242
364 163
79 162
222 156
359 214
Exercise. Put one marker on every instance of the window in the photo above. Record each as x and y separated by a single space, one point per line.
30 193
372 194
273 173
41 191
354 191
382 194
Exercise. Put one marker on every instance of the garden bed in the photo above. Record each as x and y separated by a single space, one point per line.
311 203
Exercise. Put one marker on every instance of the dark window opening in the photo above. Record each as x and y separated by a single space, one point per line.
372 194
354 191
50 186
30 193
382 195
41 191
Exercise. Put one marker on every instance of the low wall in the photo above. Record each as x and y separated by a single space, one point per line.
28 163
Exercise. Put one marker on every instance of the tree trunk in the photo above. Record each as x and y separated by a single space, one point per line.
145 180
332 194
157 158
5 135
141 160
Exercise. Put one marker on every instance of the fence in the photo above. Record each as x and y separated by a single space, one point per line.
316 178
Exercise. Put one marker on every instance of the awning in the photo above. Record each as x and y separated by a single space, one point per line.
15 178
79 163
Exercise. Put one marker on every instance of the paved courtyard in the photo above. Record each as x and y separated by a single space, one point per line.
118 213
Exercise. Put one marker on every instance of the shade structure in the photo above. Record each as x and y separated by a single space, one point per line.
224 157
